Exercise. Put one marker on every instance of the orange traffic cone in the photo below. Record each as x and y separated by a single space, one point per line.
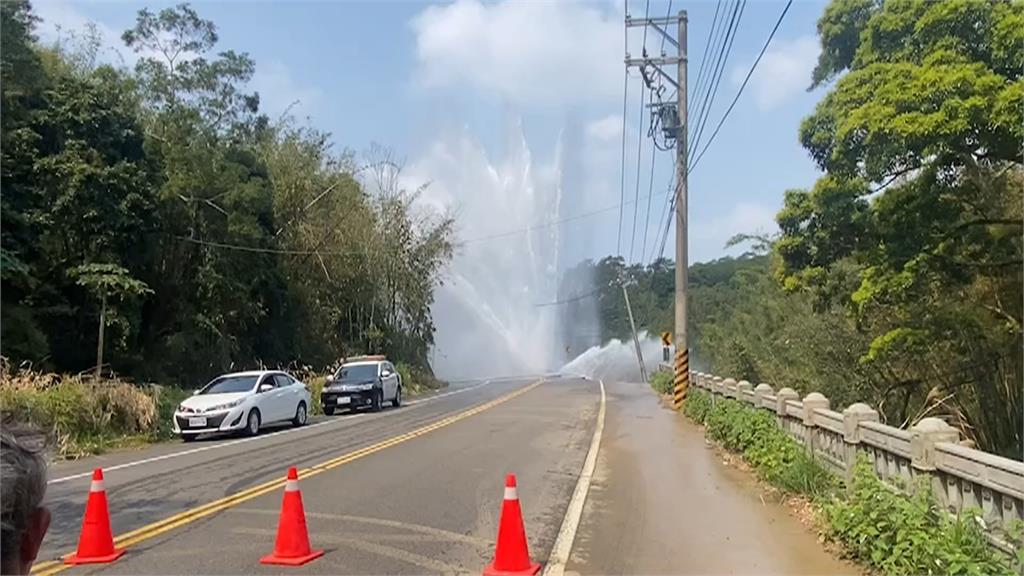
96 543
292 545
511 555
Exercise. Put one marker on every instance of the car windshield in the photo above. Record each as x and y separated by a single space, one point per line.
357 372
228 384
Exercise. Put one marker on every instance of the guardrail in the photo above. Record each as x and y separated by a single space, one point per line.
960 477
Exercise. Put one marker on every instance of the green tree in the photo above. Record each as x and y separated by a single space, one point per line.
106 282
916 227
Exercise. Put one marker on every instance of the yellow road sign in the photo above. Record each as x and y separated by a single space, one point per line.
666 338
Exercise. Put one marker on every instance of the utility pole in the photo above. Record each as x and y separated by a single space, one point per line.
682 364
636 340
673 120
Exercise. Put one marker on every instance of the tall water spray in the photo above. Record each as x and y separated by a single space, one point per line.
496 312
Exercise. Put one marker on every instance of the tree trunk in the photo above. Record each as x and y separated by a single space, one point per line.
99 343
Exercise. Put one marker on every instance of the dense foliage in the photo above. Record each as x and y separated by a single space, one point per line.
897 534
161 204
898 278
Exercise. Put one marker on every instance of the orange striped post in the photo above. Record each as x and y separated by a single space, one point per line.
682 378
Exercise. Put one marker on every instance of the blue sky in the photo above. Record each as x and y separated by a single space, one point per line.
432 81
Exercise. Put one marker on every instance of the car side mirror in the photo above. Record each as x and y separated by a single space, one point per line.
266 387
385 373
195 392
330 378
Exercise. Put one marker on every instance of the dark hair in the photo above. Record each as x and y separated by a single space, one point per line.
22 484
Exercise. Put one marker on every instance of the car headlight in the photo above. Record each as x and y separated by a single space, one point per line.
224 406
181 407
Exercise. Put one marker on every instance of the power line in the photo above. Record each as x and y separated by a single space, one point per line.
639 152
622 165
640 134
570 300
695 95
743 85
647 219
730 37
715 76
735 99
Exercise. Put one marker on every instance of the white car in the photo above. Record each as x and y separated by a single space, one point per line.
243 401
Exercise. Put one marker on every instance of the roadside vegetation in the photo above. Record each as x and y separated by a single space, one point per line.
876 525
159 215
85 417
897 277
162 206
661 382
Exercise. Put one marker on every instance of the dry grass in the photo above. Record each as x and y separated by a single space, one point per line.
82 416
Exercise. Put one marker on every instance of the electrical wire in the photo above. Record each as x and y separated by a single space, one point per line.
639 134
743 85
720 72
691 166
714 77
694 96
650 193
622 164
639 152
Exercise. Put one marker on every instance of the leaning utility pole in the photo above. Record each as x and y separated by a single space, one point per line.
636 339
673 121
682 365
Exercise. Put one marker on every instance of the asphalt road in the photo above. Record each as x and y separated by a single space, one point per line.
418 490
410 490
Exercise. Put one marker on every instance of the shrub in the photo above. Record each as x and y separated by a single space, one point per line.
775 456
661 382
697 405
316 386
82 416
417 380
908 535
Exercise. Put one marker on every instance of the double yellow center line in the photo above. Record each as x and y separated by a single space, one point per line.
170 523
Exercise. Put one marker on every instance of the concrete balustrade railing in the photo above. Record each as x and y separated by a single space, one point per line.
961 478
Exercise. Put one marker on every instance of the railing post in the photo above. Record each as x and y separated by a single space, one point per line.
853 415
811 402
716 385
923 437
741 391
760 391
784 395
730 387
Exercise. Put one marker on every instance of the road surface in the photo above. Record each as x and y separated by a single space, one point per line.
418 490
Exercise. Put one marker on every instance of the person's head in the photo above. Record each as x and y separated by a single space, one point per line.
22 486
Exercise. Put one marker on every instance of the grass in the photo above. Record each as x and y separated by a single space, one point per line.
661 382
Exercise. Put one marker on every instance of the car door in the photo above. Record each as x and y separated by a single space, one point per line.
273 402
291 393
390 380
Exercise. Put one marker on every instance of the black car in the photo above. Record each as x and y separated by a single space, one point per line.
366 382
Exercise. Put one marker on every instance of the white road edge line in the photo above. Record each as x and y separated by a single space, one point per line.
254 438
571 523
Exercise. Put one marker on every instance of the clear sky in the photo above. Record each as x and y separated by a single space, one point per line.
426 79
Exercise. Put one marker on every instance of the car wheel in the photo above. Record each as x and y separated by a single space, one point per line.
377 402
398 397
252 426
329 410
189 437
300 415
